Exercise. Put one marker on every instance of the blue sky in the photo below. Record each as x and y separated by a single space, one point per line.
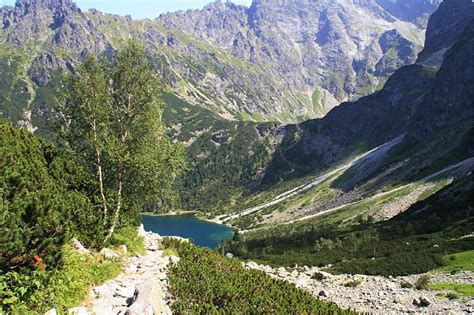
140 8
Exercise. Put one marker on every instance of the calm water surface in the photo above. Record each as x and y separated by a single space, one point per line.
203 233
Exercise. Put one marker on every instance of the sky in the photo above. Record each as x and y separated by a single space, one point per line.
140 8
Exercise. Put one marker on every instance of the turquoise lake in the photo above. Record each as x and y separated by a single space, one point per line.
203 233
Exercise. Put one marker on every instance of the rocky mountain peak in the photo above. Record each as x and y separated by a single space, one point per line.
26 7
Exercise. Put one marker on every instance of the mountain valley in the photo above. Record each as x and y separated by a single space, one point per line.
335 137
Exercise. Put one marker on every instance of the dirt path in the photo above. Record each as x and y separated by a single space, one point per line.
140 289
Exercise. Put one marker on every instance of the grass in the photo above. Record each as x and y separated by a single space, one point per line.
411 243
353 284
129 237
463 261
463 290
79 275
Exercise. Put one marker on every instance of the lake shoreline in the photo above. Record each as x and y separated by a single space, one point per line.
169 214
188 225
197 214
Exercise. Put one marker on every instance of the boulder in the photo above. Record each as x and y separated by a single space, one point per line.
318 276
109 254
51 312
282 272
141 231
79 247
122 249
252 265
421 302
295 273
148 299
229 255
124 292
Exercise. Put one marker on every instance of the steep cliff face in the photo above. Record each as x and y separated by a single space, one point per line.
416 11
328 51
444 29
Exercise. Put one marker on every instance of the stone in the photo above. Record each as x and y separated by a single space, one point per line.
229 255
125 292
51 312
109 254
122 249
318 276
425 302
148 298
421 302
252 265
282 272
302 283
141 231
79 247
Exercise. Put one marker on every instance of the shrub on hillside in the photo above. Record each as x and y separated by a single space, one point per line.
206 282
41 203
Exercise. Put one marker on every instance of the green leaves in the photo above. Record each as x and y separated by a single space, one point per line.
37 207
113 123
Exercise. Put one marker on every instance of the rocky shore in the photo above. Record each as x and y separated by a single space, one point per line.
375 294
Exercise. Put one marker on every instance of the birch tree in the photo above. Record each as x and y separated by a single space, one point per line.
114 121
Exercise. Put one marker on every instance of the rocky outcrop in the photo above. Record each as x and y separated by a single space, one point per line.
444 29
415 11
372 294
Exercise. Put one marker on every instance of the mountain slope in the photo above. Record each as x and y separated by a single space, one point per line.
402 207
430 108
283 63
325 50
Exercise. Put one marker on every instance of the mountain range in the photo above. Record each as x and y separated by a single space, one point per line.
283 61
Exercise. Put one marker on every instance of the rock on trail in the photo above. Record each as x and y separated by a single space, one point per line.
141 289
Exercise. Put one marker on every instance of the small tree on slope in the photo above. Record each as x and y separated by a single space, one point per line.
113 122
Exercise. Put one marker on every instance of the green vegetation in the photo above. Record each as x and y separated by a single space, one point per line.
414 242
353 284
113 122
38 291
422 282
114 158
14 92
206 282
459 262
129 237
460 290
317 102
44 202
